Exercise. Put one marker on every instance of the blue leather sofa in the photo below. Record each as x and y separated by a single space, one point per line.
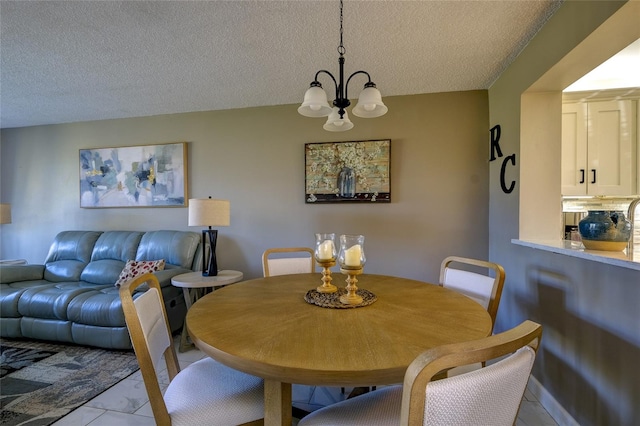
73 297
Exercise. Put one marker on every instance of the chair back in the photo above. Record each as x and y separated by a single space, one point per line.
490 395
288 260
148 326
482 288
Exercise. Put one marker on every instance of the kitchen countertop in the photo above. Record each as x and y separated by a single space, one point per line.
576 249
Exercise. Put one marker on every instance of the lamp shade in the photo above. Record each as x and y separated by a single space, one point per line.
209 212
315 103
370 104
336 124
5 213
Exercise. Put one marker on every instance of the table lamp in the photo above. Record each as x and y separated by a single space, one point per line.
5 213
209 212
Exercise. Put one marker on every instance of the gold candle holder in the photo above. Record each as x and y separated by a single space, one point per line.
325 254
351 259
326 286
351 298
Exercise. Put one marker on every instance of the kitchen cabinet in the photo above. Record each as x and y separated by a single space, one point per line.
599 148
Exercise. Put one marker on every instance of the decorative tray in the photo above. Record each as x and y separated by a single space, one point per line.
332 300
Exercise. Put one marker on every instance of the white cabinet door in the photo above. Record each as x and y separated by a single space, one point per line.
610 148
574 149
599 148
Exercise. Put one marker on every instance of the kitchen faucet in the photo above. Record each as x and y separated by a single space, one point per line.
631 216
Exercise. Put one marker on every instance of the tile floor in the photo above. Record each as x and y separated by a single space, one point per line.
126 403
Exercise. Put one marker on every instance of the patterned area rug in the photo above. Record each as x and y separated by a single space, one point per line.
41 382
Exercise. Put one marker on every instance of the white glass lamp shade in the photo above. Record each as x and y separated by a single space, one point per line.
209 212
5 213
370 104
336 124
315 103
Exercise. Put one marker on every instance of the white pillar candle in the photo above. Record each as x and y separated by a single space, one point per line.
325 250
352 255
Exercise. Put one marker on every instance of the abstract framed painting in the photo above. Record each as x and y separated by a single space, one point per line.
357 171
134 176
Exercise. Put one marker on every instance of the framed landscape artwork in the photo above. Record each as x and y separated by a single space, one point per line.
134 176
348 172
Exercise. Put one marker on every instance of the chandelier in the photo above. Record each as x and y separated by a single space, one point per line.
315 102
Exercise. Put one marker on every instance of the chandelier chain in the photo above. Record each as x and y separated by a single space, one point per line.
341 49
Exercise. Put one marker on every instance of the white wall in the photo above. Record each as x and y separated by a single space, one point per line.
255 158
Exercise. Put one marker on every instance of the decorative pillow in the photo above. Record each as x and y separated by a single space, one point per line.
135 268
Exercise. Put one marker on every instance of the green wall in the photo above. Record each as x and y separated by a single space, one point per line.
254 157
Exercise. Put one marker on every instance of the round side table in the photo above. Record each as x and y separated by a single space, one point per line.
194 285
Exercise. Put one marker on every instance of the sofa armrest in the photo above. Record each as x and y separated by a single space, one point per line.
14 273
164 277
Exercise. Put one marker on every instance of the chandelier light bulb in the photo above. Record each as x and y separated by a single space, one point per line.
315 102
370 103
336 124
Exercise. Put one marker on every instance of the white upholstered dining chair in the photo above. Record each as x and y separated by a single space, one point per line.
284 261
288 260
205 392
488 396
483 288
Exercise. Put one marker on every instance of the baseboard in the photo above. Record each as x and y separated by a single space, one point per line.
553 407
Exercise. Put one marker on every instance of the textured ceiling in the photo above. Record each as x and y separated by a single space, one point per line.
69 61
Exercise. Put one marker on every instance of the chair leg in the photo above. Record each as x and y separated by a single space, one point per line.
185 341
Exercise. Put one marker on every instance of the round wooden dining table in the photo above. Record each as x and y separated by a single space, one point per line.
265 327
